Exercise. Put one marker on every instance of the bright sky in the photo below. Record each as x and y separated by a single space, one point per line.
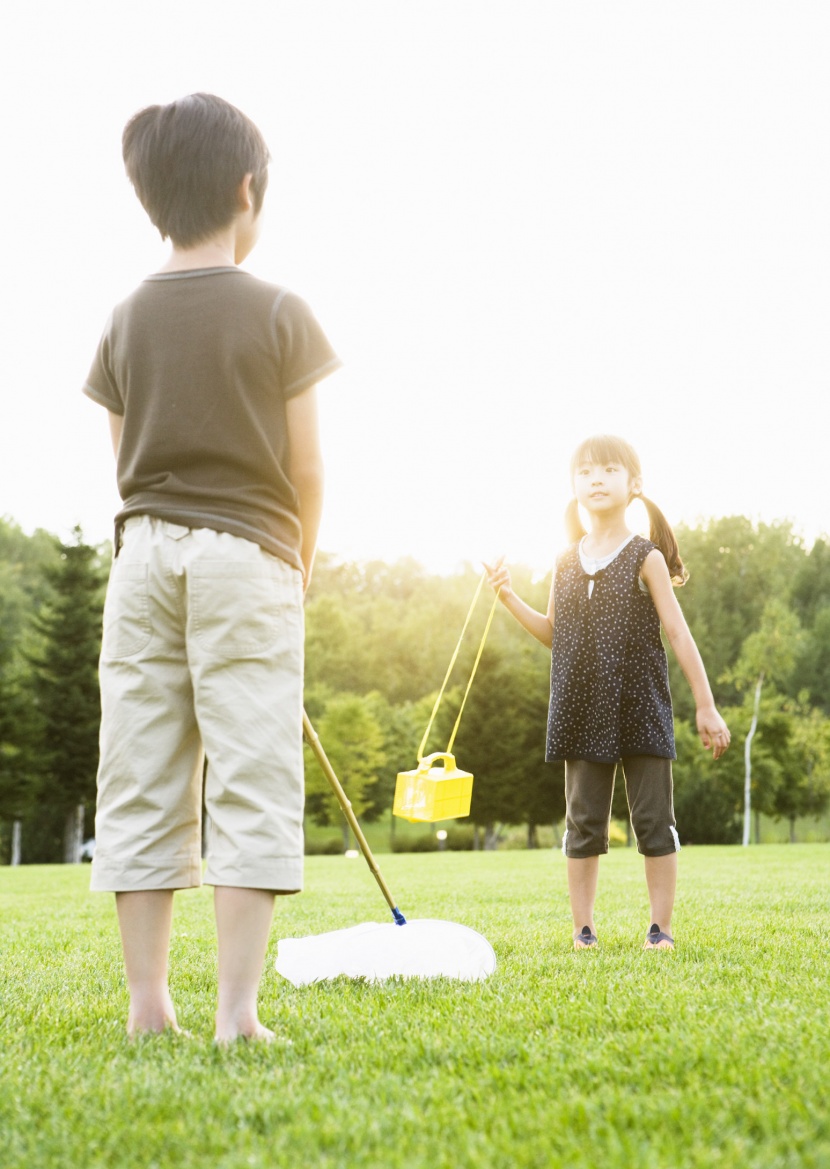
520 222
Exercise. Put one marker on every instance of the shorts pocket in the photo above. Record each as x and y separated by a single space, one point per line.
241 609
127 629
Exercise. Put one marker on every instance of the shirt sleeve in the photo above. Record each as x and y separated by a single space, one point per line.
305 354
100 384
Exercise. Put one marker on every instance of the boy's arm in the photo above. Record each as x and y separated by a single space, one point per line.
116 426
305 470
712 729
540 625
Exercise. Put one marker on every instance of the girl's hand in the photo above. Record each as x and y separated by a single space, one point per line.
713 731
498 576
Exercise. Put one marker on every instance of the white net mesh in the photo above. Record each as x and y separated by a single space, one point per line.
419 949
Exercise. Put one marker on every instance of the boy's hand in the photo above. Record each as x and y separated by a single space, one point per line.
498 575
713 731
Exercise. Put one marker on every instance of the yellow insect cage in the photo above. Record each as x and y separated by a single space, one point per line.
433 792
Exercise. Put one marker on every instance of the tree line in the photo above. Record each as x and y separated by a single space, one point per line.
378 640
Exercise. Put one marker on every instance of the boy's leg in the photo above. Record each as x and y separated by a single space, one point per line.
243 922
648 784
148 814
148 837
589 791
144 919
245 646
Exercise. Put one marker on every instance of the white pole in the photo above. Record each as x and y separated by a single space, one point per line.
748 762
17 833
73 835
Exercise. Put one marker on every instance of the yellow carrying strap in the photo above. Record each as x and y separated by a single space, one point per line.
452 663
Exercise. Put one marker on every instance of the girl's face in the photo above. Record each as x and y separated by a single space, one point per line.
604 487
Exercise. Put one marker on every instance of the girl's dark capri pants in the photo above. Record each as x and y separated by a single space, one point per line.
589 790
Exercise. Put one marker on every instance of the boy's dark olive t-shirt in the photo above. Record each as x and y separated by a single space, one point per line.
201 364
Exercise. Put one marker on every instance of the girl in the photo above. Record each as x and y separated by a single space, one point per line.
609 694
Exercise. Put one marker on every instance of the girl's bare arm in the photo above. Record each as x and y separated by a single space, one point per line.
712 729
540 625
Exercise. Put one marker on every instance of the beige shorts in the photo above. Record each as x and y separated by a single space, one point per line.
203 645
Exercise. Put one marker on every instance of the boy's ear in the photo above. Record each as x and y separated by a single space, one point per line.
244 197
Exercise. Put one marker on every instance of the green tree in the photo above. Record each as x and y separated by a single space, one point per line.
811 583
812 670
735 567
19 732
768 655
379 627
707 793
402 728
66 692
811 601
24 590
804 789
25 562
540 791
393 628
501 740
353 741
333 645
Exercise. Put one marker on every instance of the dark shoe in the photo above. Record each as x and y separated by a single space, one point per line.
585 939
657 940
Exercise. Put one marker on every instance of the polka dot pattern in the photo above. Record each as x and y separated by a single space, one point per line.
609 682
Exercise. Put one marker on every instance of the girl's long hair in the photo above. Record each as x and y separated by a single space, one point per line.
607 448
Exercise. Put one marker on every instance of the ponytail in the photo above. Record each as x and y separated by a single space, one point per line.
661 534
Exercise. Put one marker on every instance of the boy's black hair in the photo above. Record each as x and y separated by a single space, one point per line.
186 161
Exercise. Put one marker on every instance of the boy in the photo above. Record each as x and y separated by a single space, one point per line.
209 378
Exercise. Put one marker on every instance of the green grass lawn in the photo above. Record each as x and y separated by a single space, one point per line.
716 1055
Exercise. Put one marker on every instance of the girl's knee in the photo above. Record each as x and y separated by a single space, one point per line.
656 837
585 840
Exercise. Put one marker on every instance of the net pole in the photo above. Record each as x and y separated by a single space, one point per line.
313 740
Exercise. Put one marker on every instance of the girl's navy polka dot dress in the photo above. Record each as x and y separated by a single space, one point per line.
609 681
